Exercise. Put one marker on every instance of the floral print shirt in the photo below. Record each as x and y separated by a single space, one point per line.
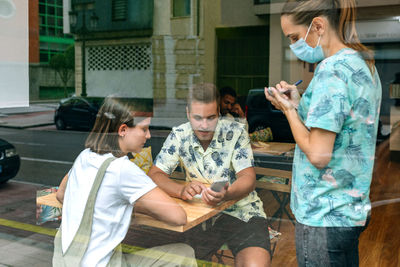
228 153
344 98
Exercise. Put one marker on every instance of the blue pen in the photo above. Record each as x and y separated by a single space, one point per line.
298 82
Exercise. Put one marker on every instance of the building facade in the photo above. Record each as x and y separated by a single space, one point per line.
158 49
46 38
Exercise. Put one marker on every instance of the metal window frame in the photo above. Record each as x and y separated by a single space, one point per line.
47 37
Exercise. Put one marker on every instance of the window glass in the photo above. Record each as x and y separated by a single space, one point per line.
42 8
51 10
51 21
181 8
44 57
153 53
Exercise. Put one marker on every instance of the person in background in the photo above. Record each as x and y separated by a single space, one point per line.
229 107
101 190
212 149
237 110
335 126
228 104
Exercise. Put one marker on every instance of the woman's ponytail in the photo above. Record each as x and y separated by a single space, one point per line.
341 14
347 30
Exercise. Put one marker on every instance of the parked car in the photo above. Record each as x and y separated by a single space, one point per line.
260 113
77 112
9 161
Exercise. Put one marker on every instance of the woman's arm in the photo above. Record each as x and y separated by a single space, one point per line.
61 189
159 205
317 144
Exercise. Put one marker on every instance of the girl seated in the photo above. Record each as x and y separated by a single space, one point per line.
101 190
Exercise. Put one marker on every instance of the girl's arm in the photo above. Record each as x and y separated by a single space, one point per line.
159 205
61 189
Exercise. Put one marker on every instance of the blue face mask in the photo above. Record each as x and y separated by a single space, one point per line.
307 53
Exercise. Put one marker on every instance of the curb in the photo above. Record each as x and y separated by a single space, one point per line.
25 127
55 101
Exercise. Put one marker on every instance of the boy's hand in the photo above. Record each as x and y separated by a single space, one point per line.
191 189
213 198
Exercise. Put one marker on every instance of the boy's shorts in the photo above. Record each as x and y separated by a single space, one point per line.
229 230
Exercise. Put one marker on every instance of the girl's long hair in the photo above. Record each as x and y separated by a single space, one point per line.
341 14
112 114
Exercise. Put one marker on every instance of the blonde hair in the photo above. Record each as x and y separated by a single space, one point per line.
203 93
341 15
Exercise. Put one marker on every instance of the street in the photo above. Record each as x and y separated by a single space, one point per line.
48 154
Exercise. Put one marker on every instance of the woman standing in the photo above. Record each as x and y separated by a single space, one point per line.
335 126
100 192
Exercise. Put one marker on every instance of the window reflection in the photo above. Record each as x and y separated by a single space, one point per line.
141 51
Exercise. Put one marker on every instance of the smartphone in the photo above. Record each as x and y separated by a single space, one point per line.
286 92
217 186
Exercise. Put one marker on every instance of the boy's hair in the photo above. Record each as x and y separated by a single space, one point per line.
112 114
203 93
227 90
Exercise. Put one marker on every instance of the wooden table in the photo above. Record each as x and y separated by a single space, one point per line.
197 212
272 148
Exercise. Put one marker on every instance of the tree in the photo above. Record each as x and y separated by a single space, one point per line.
64 66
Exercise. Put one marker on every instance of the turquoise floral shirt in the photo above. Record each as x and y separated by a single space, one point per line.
343 97
228 153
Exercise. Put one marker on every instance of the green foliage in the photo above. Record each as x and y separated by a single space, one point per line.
54 92
64 66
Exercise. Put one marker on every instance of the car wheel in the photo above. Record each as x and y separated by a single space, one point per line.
3 182
60 124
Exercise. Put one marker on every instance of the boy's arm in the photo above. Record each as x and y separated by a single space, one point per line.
245 184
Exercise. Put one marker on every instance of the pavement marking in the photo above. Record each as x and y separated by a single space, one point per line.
25 143
28 227
48 160
52 232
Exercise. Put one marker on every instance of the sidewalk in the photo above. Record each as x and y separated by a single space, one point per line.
22 242
42 114
38 114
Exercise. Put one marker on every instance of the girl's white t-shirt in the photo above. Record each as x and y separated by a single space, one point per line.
122 185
